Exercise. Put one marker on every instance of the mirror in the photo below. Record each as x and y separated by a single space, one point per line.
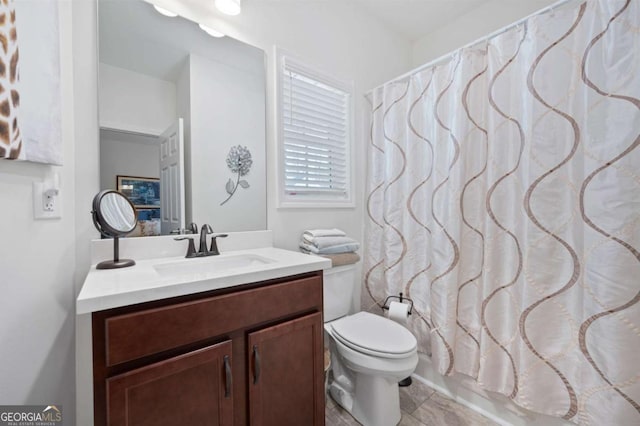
114 216
182 121
116 213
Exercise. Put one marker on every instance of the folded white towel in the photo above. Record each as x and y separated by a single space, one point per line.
314 240
340 248
326 242
335 232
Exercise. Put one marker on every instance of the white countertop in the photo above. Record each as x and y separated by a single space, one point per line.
112 288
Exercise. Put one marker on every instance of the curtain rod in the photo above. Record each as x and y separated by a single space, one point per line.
488 37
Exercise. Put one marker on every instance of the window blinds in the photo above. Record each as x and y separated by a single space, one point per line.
315 132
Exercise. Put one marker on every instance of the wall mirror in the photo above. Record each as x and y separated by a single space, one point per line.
182 121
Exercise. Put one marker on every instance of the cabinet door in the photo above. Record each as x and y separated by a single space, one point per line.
190 389
286 380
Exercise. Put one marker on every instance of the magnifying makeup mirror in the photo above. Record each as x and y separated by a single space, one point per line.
114 216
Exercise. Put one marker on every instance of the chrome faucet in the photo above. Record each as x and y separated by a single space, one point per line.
206 229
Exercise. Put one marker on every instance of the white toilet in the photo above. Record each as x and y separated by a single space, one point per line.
370 354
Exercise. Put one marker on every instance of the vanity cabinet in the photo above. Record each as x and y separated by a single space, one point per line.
247 355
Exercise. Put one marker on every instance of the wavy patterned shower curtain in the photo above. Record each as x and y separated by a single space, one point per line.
504 199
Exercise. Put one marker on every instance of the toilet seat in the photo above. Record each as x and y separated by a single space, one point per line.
374 335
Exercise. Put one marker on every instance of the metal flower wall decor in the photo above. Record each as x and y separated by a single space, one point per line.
239 161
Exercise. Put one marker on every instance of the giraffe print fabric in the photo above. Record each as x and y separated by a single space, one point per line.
10 136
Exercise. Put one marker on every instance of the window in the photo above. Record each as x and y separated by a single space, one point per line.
314 133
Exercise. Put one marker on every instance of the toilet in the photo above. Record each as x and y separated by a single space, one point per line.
370 354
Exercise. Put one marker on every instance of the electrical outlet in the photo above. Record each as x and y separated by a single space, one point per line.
49 200
45 201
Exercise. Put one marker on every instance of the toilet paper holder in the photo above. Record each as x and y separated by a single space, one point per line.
402 299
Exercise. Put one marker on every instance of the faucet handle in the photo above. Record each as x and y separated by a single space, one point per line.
180 231
191 250
214 245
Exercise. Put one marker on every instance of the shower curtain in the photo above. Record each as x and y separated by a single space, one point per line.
503 197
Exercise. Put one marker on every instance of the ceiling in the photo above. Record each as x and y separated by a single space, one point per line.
412 19
416 18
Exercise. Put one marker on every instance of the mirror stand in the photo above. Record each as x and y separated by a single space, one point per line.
116 262
114 215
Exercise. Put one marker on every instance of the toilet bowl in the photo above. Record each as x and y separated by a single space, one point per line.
370 355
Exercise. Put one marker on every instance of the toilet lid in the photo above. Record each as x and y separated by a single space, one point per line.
369 333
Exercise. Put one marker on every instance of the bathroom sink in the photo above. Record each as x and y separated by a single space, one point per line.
211 265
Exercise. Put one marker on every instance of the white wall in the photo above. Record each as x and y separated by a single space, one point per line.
39 259
120 154
135 102
483 20
227 109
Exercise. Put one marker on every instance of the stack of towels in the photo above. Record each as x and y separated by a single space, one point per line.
331 243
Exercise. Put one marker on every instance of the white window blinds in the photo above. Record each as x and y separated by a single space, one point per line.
316 132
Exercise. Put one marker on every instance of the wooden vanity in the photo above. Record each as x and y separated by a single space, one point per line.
223 340
245 355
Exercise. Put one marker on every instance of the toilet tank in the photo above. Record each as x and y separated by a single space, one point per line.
339 284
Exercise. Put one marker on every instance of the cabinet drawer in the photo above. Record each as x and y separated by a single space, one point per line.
139 334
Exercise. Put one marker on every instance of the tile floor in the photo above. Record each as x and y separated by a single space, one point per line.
421 406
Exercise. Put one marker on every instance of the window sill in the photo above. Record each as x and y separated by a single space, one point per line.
315 204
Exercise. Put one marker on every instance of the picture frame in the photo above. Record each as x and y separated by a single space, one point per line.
143 192
148 214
